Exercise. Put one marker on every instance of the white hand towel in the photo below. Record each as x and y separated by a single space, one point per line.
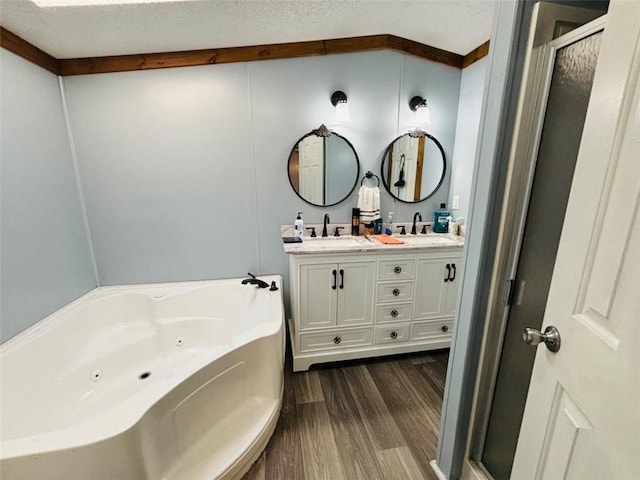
369 203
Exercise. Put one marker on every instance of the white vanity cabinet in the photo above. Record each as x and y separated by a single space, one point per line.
437 287
368 304
335 294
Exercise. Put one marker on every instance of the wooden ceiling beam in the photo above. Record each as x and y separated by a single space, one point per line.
190 58
24 49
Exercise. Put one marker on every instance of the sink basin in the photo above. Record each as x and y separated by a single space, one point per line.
428 240
328 242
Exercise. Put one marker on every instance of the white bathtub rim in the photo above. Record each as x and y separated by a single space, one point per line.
53 320
128 412
244 463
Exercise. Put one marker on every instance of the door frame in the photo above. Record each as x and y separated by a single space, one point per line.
504 82
511 40
534 99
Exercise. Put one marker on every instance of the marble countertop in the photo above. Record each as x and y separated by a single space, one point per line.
351 244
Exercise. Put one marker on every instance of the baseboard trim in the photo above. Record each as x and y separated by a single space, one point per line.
436 469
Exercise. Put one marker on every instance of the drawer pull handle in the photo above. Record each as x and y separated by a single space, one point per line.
341 277
335 279
444 329
394 313
448 267
453 267
337 340
397 269
396 292
394 335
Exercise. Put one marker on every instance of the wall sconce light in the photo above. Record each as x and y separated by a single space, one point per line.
339 100
423 115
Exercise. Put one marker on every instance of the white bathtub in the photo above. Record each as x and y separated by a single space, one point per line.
165 381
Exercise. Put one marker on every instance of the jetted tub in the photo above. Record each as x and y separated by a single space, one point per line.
165 381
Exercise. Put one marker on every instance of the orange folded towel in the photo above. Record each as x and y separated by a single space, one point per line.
387 239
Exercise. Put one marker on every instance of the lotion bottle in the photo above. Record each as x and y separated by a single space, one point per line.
298 226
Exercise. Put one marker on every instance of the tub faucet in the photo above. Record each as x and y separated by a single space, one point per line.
413 228
324 225
254 281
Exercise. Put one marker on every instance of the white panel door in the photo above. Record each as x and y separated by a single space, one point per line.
582 418
318 295
311 173
355 293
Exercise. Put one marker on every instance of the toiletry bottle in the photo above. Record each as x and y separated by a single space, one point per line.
298 226
388 228
441 220
355 222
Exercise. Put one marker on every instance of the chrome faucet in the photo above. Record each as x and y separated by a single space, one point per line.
413 228
324 225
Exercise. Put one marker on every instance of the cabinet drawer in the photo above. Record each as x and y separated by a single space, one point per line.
395 291
424 330
393 333
393 312
335 339
395 269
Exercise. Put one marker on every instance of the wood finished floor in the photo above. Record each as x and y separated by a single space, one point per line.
374 420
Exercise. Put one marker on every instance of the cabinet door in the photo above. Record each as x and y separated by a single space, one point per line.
451 290
431 288
355 293
317 295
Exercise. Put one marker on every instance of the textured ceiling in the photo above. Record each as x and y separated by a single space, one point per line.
98 30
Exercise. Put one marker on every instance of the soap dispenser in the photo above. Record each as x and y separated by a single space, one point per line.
388 228
441 219
298 226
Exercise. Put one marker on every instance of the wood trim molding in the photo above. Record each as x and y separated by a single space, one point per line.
476 54
424 51
149 61
24 49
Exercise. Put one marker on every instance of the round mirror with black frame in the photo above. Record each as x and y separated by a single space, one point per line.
413 167
323 167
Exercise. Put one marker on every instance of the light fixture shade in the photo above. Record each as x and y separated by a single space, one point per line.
342 112
423 114
339 100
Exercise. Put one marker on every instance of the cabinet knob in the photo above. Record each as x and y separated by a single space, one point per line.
396 292
444 329
397 269
337 340
394 313
394 335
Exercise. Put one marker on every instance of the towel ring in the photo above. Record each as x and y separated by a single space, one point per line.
368 175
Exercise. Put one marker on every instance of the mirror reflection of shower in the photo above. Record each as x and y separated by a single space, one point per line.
413 167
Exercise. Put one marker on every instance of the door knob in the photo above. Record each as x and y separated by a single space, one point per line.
550 337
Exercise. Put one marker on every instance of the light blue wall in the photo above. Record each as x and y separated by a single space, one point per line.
464 150
185 170
45 255
166 162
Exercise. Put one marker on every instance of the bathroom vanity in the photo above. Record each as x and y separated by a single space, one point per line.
356 298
